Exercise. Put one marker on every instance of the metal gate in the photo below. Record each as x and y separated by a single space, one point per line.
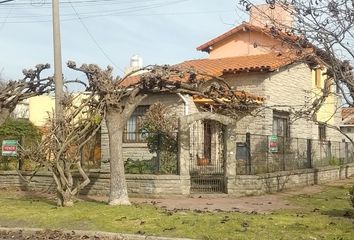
207 157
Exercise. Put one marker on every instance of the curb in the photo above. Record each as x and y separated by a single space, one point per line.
32 232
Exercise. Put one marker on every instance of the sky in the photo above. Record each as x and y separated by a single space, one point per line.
109 32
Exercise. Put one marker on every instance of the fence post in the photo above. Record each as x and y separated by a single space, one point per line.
283 153
329 151
158 152
309 153
346 152
248 162
20 161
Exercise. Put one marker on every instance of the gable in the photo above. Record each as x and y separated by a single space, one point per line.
244 40
245 43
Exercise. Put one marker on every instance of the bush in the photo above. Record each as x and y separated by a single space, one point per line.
25 132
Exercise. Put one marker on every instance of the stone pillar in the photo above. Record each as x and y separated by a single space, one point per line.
183 156
230 161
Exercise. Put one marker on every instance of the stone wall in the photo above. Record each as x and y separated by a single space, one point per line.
247 185
138 185
167 185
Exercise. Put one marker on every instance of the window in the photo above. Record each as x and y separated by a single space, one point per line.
318 74
322 131
281 124
132 131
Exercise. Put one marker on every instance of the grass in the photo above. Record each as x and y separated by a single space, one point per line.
325 215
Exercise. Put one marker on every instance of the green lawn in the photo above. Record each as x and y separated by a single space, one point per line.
325 215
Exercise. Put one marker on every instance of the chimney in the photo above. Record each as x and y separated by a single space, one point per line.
265 16
136 62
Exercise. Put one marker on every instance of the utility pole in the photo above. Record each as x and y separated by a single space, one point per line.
58 75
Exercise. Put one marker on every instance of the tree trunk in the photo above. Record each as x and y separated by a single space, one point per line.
65 199
118 186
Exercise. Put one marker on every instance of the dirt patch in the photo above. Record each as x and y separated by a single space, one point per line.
47 234
261 204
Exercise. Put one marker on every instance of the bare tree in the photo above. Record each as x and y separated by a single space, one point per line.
120 96
13 92
63 142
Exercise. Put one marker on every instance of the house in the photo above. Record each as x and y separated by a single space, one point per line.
254 59
270 66
214 151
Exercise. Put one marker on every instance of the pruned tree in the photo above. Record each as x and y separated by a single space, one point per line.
63 142
13 92
120 96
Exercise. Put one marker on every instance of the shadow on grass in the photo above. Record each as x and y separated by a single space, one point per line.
344 213
37 198
92 199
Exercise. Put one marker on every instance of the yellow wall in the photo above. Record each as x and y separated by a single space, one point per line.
40 108
329 107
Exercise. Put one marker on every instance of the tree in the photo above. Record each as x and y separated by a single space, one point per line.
160 125
13 92
62 144
326 27
120 96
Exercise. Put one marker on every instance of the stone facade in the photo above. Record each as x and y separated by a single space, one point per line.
287 90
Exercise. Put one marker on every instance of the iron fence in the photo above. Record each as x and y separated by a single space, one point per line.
158 156
256 154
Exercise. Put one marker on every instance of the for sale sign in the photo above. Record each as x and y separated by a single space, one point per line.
9 148
273 144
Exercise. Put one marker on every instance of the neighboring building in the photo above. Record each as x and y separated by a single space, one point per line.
37 109
21 110
347 125
41 108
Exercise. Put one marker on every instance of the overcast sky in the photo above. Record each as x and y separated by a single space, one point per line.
109 32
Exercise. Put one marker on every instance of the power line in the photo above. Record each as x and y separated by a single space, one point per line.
5 1
94 40
2 24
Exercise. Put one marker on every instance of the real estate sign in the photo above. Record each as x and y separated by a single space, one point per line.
9 148
273 144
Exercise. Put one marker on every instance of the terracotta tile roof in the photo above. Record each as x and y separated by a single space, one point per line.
254 63
348 116
244 27
219 67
